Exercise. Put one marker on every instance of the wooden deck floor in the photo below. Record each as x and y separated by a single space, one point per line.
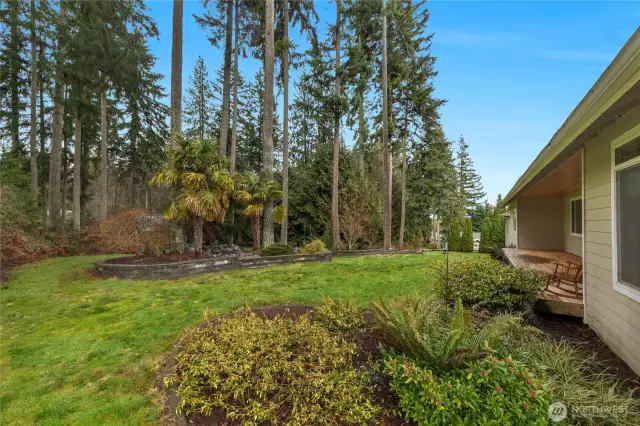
559 300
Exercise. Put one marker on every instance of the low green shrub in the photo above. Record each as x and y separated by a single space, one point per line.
277 249
488 281
341 316
424 329
577 380
315 247
490 391
279 371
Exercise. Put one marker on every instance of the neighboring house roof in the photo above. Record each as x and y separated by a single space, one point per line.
618 85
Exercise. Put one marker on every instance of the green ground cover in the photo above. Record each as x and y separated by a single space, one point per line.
79 350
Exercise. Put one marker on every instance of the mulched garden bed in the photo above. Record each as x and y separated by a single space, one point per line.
368 343
572 329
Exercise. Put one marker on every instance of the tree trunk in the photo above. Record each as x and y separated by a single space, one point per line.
176 71
33 146
267 123
236 82
386 158
77 174
197 234
53 214
14 69
255 231
65 179
133 165
43 134
104 165
335 171
361 133
285 131
226 85
403 202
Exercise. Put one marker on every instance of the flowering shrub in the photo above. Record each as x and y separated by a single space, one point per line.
342 316
277 371
490 391
485 280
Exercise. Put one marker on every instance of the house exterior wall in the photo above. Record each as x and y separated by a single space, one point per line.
540 223
614 316
572 243
510 235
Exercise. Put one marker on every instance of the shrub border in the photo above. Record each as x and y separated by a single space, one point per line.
188 268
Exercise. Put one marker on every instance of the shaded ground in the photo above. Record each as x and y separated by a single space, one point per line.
574 330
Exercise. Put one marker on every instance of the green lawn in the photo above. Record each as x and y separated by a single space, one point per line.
76 350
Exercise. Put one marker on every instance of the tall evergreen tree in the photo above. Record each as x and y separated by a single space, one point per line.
335 215
53 218
267 120
198 106
469 181
176 69
386 148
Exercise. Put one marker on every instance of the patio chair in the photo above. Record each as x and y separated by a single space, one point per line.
570 273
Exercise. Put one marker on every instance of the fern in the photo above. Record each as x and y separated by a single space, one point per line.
425 329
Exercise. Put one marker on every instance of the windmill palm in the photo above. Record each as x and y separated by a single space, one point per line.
202 183
254 191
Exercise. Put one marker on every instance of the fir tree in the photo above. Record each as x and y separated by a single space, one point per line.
198 106
469 181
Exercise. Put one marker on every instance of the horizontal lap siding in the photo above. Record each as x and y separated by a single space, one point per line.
618 315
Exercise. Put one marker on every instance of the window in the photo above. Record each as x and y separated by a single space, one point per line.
514 222
576 216
626 193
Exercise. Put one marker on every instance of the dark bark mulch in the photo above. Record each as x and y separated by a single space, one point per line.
368 343
572 329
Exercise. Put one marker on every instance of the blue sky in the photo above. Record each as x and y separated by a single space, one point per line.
511 71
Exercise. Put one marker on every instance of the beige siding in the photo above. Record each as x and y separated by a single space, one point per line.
616 315
541 223
572 243
510 235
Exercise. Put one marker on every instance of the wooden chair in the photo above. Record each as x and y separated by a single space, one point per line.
571 273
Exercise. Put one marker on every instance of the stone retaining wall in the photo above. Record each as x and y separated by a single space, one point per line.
189 268
175 270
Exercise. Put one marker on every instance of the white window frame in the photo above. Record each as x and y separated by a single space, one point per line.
628 136
571 200
514 226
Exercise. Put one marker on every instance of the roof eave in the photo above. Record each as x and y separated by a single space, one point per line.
606 90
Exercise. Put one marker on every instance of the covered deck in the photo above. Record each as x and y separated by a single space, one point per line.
558 300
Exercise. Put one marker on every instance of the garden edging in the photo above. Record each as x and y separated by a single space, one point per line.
188 268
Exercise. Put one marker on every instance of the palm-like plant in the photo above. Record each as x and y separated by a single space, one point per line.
254 191
202 183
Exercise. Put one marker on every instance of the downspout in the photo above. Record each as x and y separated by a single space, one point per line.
584 232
